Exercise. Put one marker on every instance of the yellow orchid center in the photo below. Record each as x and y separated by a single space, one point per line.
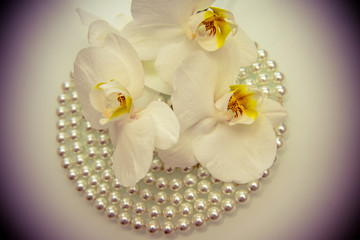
217 23
242 102
110 100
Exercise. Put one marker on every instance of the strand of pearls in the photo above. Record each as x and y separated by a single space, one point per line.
167 199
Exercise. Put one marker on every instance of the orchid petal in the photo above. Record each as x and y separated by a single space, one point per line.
166 64
158 11
165 122
129 58
239 153
98 31
152 79
245 48
134 150
86 18
194 86
273 111
121 21
148 40
182 154
148 96
94 65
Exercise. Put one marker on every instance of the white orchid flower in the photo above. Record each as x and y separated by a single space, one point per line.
110 81
97 33
167 31
227 128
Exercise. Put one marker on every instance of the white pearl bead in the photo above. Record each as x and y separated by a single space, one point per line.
214 198
156 165
190 180
133 189
111 211
66 162
92 152
85 170
279 142
116 184
94 180
200 205
253 186
124 218
278 77
183 224
167 227
114 197
242 73
150 178
104 139
266 174
262 54
169 169
103 189
249 82
74 122
241 196
153 226
99 165
74 96
90 194
77 147
80 159
203 172
213 213
73 174
61 111
228 188
61 124
62 151
176 199
61 137
270 65
138 223
80 185
228 204
161 183
107 174
88 126
204 186
66 86
215 180
280 129
175 184
100 204
187 169
198 220
74 108
126 203
280 91
161 198
62 98
190 194
90 139
169 212
265 90
139 208
255 67
154 211
146 194
185 209
262 78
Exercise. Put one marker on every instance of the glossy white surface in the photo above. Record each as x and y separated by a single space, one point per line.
315 167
